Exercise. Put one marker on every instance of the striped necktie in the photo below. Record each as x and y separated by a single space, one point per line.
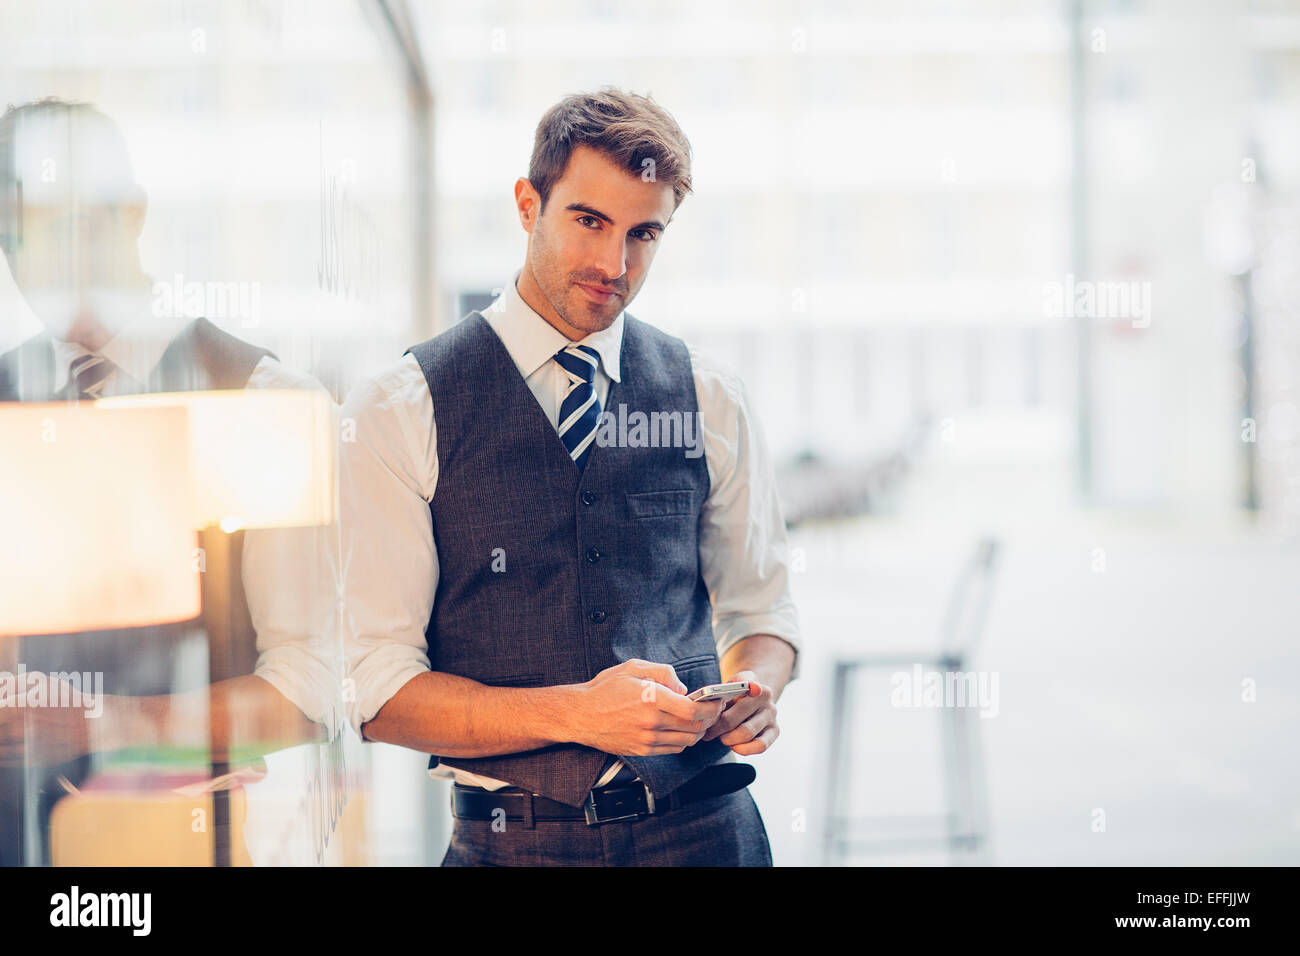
579 416
89 373
580 410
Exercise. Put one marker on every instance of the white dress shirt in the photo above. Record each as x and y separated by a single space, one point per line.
289 574
135 350
389 475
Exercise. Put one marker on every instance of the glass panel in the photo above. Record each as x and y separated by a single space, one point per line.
206 213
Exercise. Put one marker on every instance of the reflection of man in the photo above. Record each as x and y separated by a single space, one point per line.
71 215
530 602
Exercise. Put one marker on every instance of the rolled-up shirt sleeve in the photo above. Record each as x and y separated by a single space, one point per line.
290 584
744 547
290 594
388 465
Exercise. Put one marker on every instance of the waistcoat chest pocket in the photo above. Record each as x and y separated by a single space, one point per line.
698 671
660 504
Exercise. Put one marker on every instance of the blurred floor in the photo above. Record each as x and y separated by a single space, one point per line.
1120 689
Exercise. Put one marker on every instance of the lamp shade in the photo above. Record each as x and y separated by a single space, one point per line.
260 458
94 518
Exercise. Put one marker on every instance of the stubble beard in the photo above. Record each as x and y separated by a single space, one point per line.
557 286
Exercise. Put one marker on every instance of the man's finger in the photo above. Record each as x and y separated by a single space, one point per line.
749 730
686 709
740 710
659 673
668 721
759 744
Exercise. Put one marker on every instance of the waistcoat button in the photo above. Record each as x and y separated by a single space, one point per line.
593 555
598 616
588 498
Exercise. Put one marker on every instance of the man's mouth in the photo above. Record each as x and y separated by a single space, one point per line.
597 293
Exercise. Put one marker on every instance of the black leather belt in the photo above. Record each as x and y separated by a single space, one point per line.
624 801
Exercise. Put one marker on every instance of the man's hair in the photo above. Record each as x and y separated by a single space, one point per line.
110 157
15 115
632 130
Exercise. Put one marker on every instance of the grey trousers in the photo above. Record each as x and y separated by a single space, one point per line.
720 831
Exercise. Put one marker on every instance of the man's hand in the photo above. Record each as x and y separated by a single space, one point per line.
46 733
748 724
638 708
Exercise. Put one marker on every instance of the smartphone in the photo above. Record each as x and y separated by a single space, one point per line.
739 688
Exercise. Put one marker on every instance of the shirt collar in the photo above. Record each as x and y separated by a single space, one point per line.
136 349
532 341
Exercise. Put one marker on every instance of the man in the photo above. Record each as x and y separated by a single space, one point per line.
531 597
71 215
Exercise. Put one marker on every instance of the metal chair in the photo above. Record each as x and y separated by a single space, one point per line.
963 827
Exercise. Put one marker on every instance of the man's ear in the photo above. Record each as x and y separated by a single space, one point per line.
134 211
11 223
529 204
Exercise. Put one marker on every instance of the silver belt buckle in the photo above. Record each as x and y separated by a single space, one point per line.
593 817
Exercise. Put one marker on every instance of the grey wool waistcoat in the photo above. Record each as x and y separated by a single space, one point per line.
199 358
547 575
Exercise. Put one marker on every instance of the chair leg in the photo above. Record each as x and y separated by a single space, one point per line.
969 783
978 790
835 766
964 819
953 779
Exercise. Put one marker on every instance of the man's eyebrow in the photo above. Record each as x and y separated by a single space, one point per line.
583 207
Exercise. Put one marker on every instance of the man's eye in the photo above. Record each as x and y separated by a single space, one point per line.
591 218
645 235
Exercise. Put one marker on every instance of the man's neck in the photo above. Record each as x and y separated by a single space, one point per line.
88 333
94 330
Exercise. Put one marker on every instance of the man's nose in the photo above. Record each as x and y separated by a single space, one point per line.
612 260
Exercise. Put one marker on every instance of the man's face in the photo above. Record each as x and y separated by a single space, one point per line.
79 219
591 249
71 258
